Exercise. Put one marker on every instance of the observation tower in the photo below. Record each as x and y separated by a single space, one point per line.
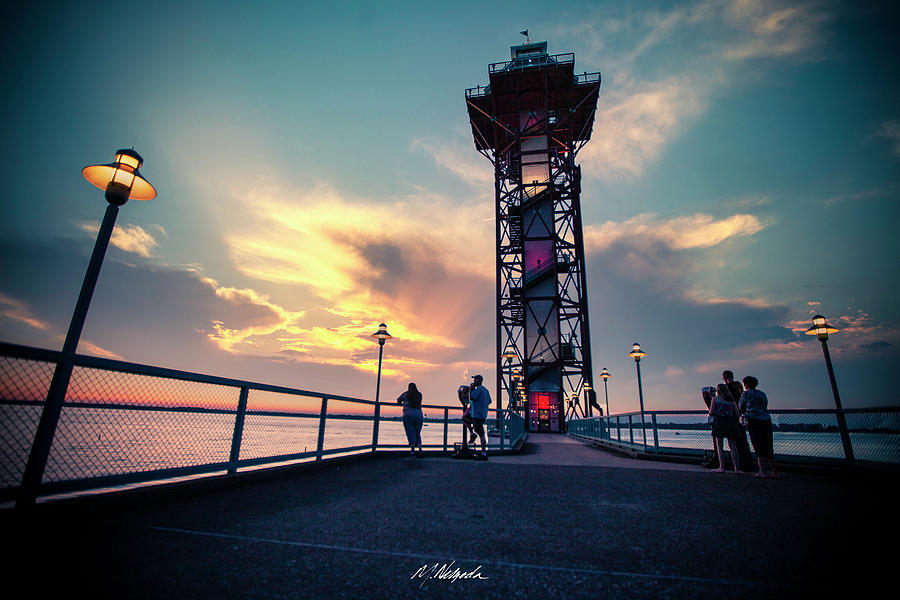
530 121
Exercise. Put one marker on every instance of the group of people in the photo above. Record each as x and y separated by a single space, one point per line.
477 400
731 409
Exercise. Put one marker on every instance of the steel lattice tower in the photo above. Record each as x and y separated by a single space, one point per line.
530 121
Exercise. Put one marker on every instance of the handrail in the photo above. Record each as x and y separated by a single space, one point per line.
120 429
874 433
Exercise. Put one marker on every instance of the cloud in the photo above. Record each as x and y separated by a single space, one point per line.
415 264
457 157
890 130
678 233
656 86
876 346
774 29
891 191
130 238
632 126
15 310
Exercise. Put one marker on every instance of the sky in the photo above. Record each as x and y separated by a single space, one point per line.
317 176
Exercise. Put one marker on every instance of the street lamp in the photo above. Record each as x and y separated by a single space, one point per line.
382 335
122 181
604 374
821 329
587 398
637 354
517 378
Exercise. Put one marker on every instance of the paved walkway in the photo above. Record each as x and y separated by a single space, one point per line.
560 450
562 520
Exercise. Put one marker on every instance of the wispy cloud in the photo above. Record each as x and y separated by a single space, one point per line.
457 157
130 238
879 193
15 310
646 103
890 130
679 233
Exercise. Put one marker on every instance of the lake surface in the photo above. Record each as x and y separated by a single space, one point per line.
97 441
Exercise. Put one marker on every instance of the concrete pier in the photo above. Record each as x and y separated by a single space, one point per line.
562 520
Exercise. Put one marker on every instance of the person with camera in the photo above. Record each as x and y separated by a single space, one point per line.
725 424
479 400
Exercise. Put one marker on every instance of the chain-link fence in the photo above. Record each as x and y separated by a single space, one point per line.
798 435
122 424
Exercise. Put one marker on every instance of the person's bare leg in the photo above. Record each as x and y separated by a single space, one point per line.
718 443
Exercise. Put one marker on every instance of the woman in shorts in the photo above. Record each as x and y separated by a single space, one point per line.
755 407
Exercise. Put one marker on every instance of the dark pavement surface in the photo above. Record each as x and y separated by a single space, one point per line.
561 520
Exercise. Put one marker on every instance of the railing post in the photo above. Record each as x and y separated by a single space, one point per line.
500 420
376 418
446 426
238 430
655 434
630 429
322 415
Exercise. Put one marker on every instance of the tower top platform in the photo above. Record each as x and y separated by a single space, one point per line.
533 81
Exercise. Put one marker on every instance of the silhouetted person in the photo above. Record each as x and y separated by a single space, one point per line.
709 393
755 407
413 418
725 425
736 389
463 393
479 400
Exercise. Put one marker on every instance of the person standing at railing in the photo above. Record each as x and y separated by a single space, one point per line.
736 389
755 408
413 418
479 400
725 425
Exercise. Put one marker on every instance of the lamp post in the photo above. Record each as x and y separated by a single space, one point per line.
122 181
382 335
587 399
517 379
605 374
821 329
637 354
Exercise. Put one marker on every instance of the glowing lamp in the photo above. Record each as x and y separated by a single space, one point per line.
820 328
382 334
605 374
121 179
509 353
636 353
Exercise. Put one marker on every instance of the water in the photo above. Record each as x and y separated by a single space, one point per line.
881 447
97 441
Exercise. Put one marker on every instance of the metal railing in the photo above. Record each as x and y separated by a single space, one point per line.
123 423
799 435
